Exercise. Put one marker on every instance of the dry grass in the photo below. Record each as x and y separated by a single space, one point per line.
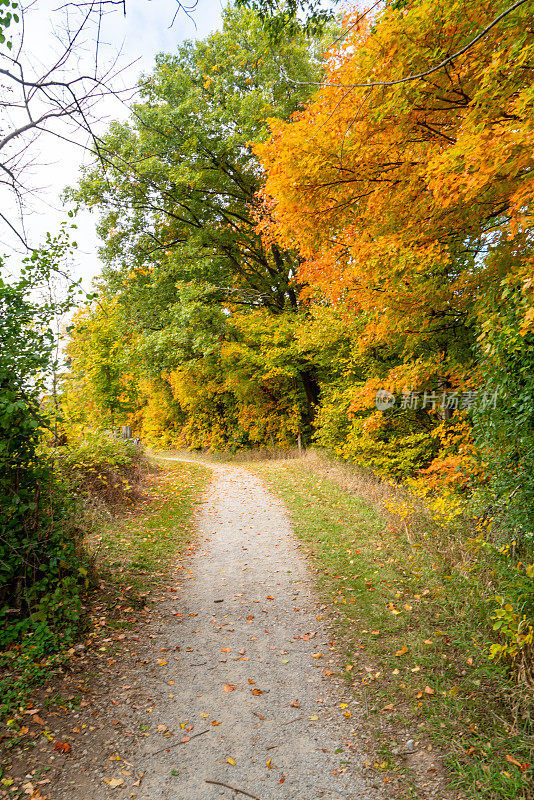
450 545
240 457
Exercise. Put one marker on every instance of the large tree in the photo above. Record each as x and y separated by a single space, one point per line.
177 185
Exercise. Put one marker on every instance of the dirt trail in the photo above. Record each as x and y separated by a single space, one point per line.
237 644
250 594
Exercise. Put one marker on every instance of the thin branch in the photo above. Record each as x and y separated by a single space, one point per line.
419 75
233 788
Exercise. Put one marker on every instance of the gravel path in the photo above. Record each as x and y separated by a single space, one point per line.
229 678
247 659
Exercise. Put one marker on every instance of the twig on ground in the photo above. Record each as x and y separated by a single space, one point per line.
188 739
292 720
233 788
260 716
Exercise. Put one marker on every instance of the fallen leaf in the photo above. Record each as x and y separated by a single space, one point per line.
294 704
523 767
63 747
402 651
317 655
257 691
229 687
114 782
231 761
429 690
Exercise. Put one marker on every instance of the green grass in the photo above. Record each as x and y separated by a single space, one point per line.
415 634
136 550
141 546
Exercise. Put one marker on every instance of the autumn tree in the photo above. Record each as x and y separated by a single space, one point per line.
397 189
406 186
177 191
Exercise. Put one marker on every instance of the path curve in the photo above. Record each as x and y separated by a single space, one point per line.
250 621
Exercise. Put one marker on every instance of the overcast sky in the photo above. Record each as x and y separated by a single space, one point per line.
147 29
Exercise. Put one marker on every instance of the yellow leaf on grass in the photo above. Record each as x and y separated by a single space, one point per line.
429 690
402 651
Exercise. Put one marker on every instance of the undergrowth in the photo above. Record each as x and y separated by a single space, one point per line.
140 546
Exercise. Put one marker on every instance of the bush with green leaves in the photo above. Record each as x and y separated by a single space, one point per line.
504 430
42 569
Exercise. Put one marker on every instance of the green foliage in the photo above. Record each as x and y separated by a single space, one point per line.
287 17
185 259
40 552
505 433
7 16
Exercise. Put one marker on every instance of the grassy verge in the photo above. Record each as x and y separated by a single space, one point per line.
135 550
140 546
415 632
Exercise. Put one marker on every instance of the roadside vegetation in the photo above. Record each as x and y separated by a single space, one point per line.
415 609
139 548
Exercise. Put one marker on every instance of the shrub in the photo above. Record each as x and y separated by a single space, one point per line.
102 468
